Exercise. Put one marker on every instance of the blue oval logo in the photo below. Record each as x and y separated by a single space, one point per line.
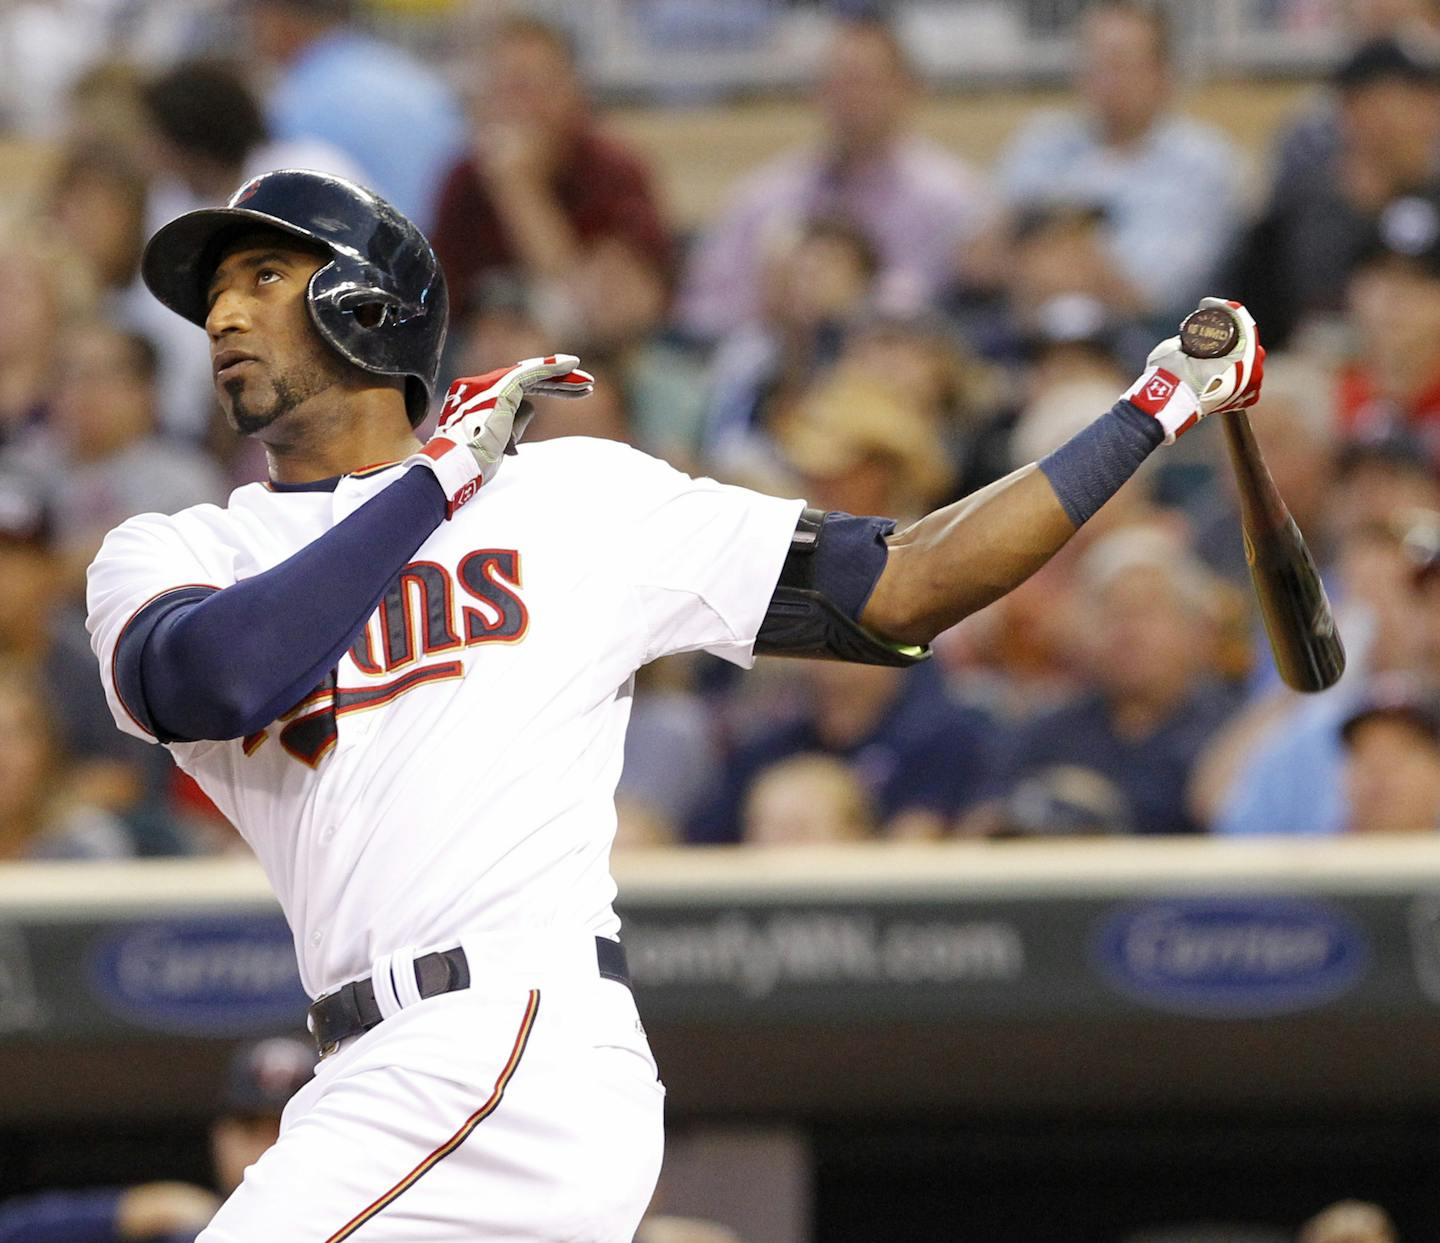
1231 957
222 976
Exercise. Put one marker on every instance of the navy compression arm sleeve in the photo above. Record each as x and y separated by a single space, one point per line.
202 664
1090 467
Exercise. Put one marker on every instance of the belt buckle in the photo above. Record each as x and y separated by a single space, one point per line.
323 1050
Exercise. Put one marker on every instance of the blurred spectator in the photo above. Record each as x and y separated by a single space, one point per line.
807 800
1295 261
1064 801
1393 386
502 326
670 755
921 757
547 195
37 818
98 211
106 109
859 446
1392 759
1350 1221
815 289
921 357
40 284
1314 139
52 53
205 136
1065 349
1147 649
97 205
687 1230
44 49
1379 486
1048 280
26 568
262 1078
106 770
1295 425
1277 768
915 202
100 449
1128 156
208 136
391 114
1404 19
1071 375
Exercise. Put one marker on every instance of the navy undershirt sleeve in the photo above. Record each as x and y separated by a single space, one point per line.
62 1217
1090 467
204 664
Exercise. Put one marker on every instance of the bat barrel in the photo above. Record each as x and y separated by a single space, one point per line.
1298 620
1307 648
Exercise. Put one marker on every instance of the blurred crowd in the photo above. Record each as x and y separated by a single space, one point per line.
868 321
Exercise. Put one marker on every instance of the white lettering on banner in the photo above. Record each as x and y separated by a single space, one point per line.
755 956
166 966
1178 949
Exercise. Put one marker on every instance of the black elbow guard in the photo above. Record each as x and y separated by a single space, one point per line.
806 617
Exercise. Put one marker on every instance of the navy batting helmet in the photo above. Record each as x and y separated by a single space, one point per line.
379 260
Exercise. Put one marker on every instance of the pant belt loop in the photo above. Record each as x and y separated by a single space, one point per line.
402 971
382 977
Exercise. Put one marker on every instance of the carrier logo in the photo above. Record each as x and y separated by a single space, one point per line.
201 977
1231 957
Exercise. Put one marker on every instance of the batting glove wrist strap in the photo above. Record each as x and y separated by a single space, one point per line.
454 465
1167 399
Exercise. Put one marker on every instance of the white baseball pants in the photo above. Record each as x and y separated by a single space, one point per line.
495 1113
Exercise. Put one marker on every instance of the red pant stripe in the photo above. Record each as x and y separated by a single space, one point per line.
460 1136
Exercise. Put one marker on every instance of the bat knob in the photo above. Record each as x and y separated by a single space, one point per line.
1209 332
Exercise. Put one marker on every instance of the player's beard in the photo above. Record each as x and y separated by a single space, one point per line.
254 407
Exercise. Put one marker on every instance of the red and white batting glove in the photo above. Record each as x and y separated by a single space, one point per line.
483 416
1179 390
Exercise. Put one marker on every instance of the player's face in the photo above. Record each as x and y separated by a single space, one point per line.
268 358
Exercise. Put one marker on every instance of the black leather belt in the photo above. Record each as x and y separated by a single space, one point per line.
352 1008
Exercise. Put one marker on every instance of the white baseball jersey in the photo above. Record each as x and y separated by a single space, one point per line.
459 773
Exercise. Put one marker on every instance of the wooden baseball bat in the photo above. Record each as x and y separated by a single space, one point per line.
1293 606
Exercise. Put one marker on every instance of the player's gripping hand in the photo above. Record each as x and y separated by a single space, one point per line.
1179 390
484 416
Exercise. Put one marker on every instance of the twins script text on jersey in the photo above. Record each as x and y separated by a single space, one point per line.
457 771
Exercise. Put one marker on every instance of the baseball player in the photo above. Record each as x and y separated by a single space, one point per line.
404 674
